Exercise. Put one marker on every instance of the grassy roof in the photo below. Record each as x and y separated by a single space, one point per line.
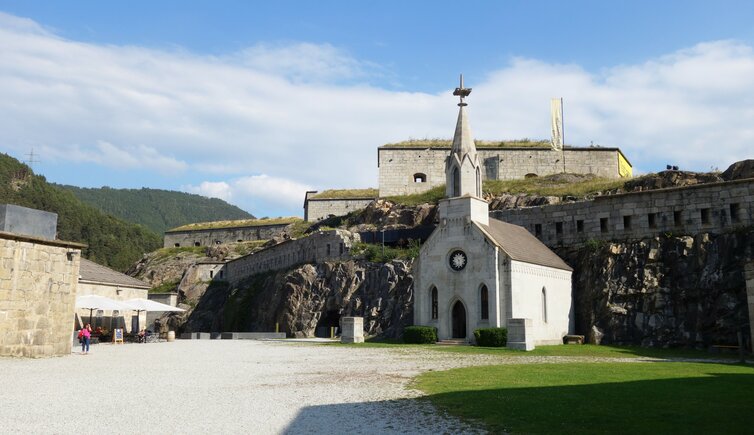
447 143
346 193
236 224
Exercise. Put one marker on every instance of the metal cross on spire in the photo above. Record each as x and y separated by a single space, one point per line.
462 92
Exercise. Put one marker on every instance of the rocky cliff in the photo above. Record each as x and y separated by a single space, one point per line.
667 291
309 297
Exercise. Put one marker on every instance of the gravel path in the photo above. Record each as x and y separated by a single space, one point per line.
231 386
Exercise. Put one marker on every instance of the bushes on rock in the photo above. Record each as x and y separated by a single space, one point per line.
491 337
420 335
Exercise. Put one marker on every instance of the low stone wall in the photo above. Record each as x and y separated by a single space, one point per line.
712 207
404 171
318 209
320 246
38 284
216 236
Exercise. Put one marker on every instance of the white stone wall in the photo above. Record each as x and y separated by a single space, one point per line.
318 209
119 293
218 236
527 281
38 284
321 246
397 166
710 207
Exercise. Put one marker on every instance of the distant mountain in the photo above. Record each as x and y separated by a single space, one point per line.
112 242
158 210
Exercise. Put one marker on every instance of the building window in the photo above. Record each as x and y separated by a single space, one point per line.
177 245
626 222
217 242
420 178
531 175
544 304
735 213
485 303
538 230
211 274
239 240
341 248
559 228
652 220
603 224
456 182
328 249
580 226
197 244
678 218
705 216
434 303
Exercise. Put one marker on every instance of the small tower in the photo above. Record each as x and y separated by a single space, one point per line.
462 169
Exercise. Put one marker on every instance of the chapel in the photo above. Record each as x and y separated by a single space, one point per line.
478 272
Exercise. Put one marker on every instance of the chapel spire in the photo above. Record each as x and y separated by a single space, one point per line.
462 170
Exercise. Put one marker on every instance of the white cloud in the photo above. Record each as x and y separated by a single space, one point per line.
273 109
211 189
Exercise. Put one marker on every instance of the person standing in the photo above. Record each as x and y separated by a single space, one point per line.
85 335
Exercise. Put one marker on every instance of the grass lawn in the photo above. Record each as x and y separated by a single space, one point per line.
666 397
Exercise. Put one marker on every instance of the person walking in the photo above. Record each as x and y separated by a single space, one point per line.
85 335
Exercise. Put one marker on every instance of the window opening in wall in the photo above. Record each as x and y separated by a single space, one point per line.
211 274
705 216
678 218
559 228
177 245
239 240
341 248
434 303
652 220
603 224
544 304
456 183
222 273
531 175
626 222
485 303
420 178
217 242
197 244
328 249
580 226
735 214
538 230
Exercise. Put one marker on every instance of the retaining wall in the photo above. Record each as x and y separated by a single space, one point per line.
318 209
216 236
709 207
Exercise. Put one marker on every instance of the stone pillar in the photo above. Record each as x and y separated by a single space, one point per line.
521 334
749 274
352 330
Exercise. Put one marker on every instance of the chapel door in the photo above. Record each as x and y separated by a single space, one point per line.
459 320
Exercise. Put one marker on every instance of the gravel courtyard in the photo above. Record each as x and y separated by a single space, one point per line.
229 386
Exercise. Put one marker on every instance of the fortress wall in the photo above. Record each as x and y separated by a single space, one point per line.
318 209
711 207
397 166
321 246
217 236
38 285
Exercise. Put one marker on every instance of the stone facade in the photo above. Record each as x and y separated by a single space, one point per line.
38 286
320 246
217 236
696 209
409 170
318 209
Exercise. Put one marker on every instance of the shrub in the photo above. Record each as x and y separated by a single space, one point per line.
491 337
420 334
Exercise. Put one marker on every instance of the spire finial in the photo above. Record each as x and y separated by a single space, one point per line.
462 92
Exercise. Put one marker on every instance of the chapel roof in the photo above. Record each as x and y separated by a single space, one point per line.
91 271
521 245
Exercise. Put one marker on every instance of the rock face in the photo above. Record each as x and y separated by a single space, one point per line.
739 170
665 179
677 291
312 296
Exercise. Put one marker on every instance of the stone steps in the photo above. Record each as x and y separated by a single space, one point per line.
453 342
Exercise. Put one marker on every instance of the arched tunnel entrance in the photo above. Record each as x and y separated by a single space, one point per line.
328 320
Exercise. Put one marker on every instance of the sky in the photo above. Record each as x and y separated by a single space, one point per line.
258 102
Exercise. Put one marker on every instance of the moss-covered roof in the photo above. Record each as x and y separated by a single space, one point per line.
235 224
346 193
446 143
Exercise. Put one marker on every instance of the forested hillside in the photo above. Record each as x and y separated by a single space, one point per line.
112 242
158 210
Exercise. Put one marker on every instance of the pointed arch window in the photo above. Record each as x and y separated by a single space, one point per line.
485 302
478 183
544 304
434 302
456 182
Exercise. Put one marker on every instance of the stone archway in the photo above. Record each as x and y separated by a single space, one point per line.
458 320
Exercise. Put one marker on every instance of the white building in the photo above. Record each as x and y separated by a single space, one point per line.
476 272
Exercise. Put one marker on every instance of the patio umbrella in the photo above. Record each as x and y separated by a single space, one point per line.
141 304
96 302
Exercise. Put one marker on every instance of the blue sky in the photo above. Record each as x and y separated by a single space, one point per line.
258 102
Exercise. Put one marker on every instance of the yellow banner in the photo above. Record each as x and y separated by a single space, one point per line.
624 168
